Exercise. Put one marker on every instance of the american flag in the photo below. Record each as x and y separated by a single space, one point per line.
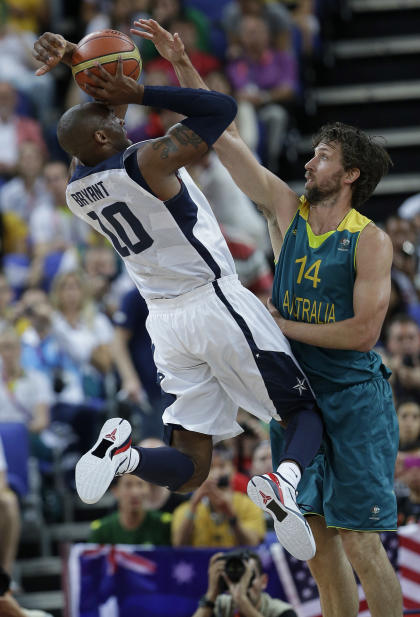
300 588
409 565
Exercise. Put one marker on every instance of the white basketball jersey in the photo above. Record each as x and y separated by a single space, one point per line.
169 248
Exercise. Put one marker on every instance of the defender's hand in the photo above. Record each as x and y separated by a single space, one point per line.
115 89
50 49
170 47
280 321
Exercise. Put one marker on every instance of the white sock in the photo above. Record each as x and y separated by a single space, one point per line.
290 471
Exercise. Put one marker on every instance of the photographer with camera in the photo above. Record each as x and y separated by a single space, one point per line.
217 515
236 584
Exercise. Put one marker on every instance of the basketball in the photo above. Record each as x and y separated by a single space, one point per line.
105 47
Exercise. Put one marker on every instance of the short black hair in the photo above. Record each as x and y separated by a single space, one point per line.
360 151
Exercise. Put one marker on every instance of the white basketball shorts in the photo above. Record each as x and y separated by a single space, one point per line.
217 348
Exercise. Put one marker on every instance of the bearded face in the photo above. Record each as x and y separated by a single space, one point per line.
324 189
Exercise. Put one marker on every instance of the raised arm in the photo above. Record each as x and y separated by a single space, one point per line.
263 187
208 114
371 294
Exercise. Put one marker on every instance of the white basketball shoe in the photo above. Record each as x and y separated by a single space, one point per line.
111 456
274 494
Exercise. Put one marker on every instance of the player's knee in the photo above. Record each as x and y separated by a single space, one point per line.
360 547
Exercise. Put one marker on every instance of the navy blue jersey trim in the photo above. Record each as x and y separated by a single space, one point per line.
113 162
279 372
133 170
185 210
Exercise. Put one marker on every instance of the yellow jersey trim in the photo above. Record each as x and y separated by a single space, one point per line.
133 54
314 241
354 222
360 530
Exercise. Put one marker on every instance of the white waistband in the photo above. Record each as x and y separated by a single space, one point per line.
196 295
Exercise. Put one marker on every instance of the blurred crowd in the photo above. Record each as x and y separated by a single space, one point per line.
74 349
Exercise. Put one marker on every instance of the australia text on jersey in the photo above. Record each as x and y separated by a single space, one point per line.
305 309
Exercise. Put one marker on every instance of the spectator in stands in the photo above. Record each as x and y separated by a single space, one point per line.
409 425
233 210
83 333
267 78
216 515
160 498
246 119
14 130
245 596
27 15
402 355
25 396
17 66
165 12
133 357
407 468
397 306
404 264
27 189
203 61
410 207
118 15
53 232
19 197
304 16
6 297
261 459
250 262
9 520
106 283
132 523
275 15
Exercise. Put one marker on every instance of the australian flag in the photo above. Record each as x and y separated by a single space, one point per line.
128 581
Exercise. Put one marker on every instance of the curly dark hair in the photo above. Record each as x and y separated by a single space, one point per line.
360 151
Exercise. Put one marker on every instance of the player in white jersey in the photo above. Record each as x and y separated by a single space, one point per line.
216 346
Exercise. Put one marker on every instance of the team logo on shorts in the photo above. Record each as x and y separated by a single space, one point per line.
300 385
374 511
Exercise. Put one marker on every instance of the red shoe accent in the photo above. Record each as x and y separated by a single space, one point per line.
111 435
266 498
123 449
275 479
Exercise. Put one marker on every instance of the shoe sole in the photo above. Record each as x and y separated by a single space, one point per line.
96 470
292 530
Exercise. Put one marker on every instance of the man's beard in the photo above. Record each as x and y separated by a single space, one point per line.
317 194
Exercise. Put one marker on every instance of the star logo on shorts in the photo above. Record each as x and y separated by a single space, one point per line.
300 385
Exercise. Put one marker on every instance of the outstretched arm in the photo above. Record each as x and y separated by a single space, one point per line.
263 187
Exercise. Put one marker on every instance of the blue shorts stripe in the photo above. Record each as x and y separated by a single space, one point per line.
286 385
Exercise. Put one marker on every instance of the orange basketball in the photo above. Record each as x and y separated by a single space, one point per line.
105 47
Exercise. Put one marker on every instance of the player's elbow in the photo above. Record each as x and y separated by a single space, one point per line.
367 337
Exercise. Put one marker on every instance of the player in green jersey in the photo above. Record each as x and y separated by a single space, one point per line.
330 297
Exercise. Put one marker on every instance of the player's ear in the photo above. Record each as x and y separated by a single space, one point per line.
352 175
100 137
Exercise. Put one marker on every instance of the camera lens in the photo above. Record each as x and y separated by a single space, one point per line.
234 568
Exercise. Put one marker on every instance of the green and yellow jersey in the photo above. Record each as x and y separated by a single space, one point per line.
313 283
